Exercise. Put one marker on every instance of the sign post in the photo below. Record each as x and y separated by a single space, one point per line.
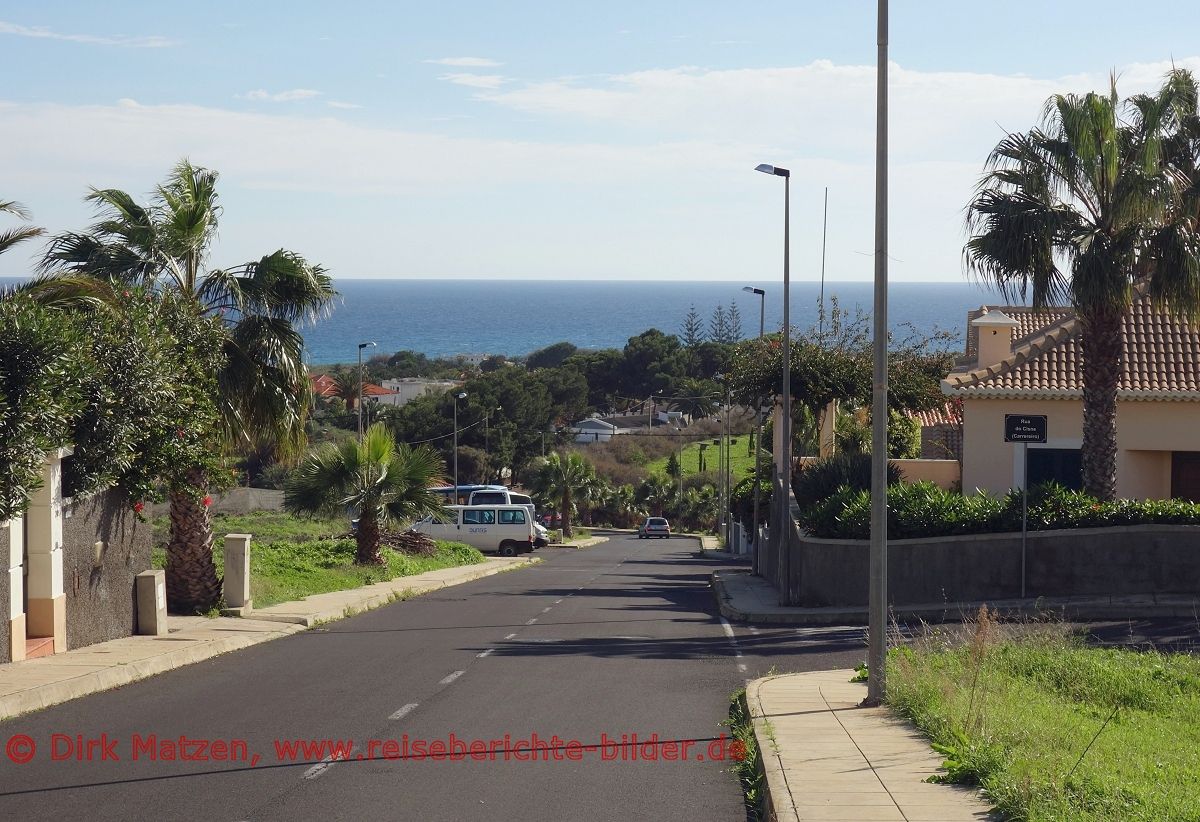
1024 429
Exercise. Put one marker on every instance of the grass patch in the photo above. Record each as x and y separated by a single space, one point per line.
1055 730
749 768
265 526
286 571
741 459
286 568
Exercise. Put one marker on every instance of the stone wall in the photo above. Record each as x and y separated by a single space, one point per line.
99 584
1142 559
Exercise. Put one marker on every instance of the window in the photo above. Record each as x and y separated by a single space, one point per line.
512 517
519 499
489 498
1060 465
1185 475
483 517
444 518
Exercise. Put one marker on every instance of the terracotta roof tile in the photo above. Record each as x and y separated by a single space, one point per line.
1160 356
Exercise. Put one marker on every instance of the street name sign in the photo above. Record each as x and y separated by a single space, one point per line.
1025 428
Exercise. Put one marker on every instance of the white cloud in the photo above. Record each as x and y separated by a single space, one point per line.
341 104
147 42
465 62
279 97
661 187
488 81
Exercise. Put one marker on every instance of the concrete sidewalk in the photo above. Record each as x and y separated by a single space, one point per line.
743 597
826 759
40 683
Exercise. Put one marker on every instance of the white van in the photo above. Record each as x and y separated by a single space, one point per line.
502 496
505 529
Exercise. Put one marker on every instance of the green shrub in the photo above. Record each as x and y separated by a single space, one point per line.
923 509
823 478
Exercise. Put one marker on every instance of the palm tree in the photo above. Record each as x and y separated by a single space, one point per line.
658 493
378 480
263 390
16 235
1095 199
560 477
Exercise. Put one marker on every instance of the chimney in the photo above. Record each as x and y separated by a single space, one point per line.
994 342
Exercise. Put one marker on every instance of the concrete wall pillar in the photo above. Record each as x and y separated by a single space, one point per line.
151 591
828 435
237 571
47 612
14 609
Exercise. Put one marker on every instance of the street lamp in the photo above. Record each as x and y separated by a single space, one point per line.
462 395
486 424
785 470
361 346
762 306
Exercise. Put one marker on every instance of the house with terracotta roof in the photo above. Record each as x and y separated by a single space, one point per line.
1022 361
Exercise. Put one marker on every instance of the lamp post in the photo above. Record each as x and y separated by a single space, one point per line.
785 470
462 395
361 346
877 592
486 425
762 307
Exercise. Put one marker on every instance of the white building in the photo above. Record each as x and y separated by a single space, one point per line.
407 389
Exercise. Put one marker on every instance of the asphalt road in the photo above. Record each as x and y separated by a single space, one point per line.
622 638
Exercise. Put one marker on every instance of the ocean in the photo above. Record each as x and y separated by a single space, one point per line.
442 318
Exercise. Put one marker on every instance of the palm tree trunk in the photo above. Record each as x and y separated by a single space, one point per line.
192 582
367 540
1100 342
566 514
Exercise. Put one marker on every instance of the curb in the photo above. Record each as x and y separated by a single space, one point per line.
1097 608
585 543
105 679
388 593
778 804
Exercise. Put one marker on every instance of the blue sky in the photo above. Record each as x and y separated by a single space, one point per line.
557 140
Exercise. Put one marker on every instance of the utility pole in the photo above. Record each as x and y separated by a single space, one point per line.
877 617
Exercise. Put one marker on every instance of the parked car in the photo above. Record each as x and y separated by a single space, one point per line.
654 527
506 529
541 537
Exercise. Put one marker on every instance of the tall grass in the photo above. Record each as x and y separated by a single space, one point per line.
1055 730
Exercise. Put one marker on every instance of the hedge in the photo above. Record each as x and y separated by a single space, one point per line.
923 509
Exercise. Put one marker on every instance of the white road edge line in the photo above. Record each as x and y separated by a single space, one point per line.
484 653
737 651
446 680
404 711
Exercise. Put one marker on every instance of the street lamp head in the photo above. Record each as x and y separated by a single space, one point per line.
752 290
361 346
462 395
776 170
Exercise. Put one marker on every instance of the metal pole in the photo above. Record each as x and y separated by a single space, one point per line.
762 304
877 627
785 470
1024 509
456 448
824 227
360 393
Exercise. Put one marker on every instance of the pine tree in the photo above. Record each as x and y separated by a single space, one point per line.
718 326
734 322
673 468
692 332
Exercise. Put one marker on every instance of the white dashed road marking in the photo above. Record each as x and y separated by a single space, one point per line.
484 653
404 711
446 680
510 636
